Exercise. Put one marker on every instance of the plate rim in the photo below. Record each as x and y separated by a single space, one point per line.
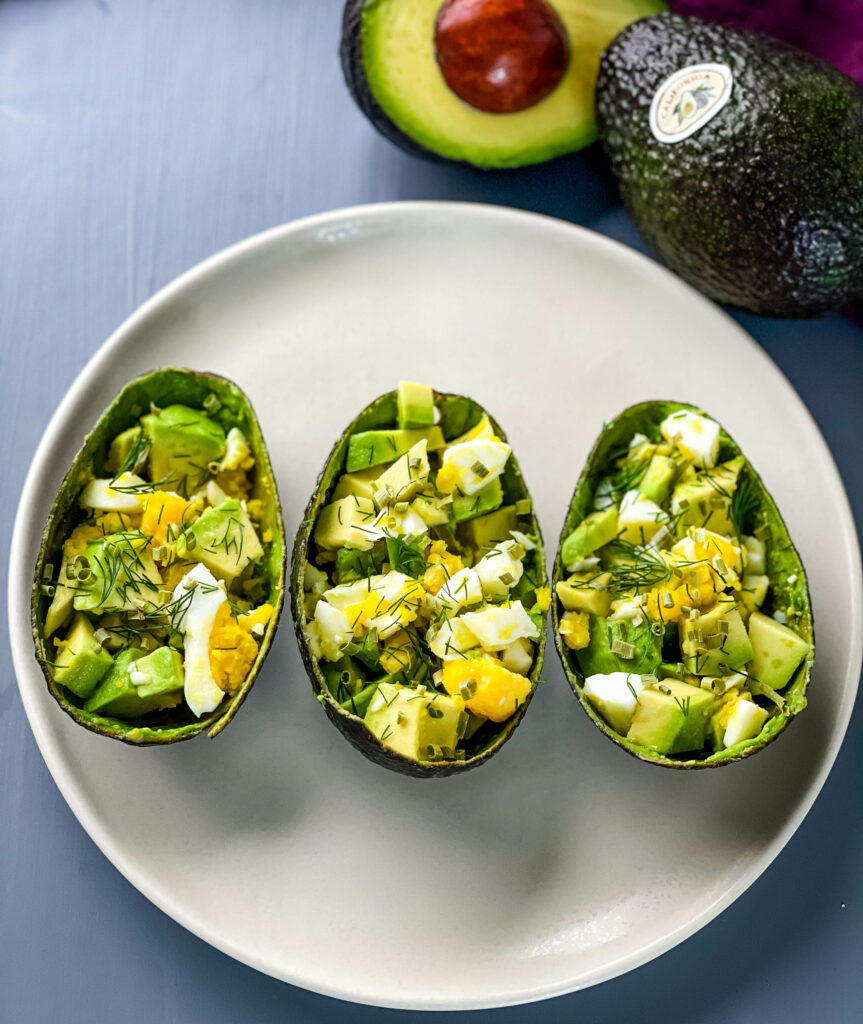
21 642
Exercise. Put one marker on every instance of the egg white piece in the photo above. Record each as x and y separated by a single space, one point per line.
333 629
461 590
196 624
497 626
697 437
237 450
499 562
466 457
616 694
452 639
100 495
517 656
745 722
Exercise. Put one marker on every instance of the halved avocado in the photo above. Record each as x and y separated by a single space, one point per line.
420 71
755 511
458 415
163 388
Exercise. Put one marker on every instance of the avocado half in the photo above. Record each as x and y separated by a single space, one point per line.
392 69
761 206
161 387
458 414
783 561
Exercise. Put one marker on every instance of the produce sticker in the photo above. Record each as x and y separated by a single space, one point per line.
688 99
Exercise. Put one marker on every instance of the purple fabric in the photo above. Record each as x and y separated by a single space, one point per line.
831 29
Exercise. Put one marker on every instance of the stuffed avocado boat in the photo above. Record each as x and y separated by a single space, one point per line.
419 586
160 577
682 613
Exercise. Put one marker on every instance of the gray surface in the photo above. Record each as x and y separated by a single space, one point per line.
137 138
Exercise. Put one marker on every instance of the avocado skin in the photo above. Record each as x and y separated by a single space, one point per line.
162 386
351 54
376 415
762 207
783 561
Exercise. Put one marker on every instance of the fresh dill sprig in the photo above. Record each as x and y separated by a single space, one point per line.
744 505
642 569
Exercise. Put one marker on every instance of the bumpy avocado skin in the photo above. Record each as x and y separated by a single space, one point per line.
783 561
762 207
162 387
379 414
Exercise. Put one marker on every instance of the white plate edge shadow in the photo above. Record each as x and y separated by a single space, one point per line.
20 577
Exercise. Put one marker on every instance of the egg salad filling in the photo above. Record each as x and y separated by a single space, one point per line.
423 603
666 598
158 600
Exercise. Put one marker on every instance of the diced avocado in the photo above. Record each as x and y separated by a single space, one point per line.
482 431
586 592
615 697
346 523
405 477
161 685
344 677
433 511
81 661
777 651
362 484
223 539
471 506
705 501
372 447
486 531
415 405
121 450
658 478
592 533
358 703
183 443
353 564
601 656
672 717
753 593
420 726
715 642
62 604
123 576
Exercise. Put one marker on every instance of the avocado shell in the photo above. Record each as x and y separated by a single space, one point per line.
782 561
161 387
458 414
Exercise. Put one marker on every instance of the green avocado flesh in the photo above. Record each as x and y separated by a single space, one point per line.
419 590
165 542
729 205
391 65
682 614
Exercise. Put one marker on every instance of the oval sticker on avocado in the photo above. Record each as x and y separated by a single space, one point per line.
688 99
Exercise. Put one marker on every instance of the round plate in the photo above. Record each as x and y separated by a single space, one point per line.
563 861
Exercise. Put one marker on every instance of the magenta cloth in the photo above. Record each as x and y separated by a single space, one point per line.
831 29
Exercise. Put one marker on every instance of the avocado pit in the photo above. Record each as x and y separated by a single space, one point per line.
501 56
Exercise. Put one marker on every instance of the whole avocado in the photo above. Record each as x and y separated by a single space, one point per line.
762 205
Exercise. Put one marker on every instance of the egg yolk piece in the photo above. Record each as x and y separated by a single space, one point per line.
163 509
496 692
232 650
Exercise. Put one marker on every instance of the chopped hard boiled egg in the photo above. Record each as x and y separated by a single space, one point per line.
695 436
162 510
472 465
452 639
232 650
615 696
517 656
497 626
125 493
333 630
487 688
745 722
639 518
501 568
202 595
459 591
238 453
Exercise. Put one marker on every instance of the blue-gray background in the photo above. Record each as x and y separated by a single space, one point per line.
136 138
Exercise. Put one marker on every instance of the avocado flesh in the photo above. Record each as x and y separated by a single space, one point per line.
183 443
471 506
705 501
372 447
710 648
420 727
119 697
223 539
124 575
162 387
672 717
598 658
779 583
488 530
732 208
777 651
81 661
592 533
390 66
415 405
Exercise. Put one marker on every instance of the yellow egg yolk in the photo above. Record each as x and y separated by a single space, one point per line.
162 510
488 689
232 650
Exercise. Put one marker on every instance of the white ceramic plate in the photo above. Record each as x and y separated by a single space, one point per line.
563 861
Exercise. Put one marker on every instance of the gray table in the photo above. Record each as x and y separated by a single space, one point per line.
137 138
